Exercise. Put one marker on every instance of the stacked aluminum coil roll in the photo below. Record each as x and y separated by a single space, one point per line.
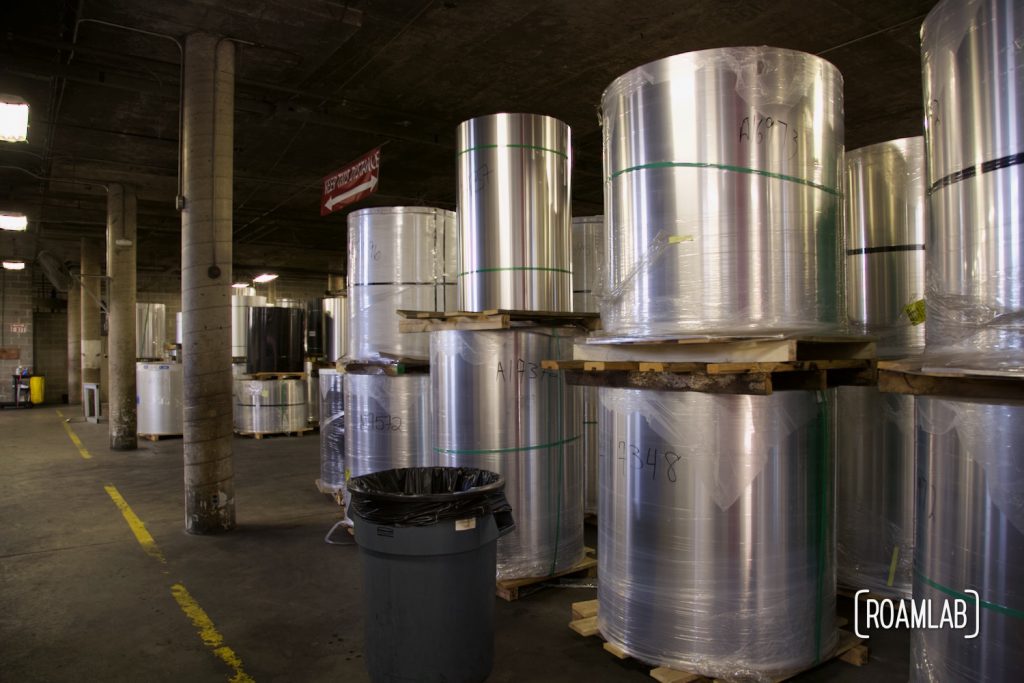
159 393
399 258
885 231
270 406
332 429
275 339
314 328
387 423
514 213
150 330
587 261
723 197
974 96
495 408
240 305
970 535
715 536
335 328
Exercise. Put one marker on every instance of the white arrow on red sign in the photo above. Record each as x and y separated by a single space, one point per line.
351 183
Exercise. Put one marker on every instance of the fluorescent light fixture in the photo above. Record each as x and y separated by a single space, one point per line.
14 265
241 285
266 277
13 221
13 119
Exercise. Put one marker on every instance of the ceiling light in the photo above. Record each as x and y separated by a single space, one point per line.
14 265
241 285
266 277
13 221
13 119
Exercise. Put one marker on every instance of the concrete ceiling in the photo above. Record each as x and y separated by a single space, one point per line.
320 82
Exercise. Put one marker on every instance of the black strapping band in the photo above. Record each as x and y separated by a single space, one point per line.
402 284
971 171
882 250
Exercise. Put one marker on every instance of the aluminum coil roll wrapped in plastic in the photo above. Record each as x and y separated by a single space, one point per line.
970 536
314 328
332 429
400 257
240 305
275 339
335 328
974 99
179 329
514 213
875 498
885 233
715 530
587 262
312 390
159 392
387 423
270 406
150 330
496 409
723 195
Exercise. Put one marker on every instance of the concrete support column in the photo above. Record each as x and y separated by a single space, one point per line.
206 228
74 343
121 217
92 343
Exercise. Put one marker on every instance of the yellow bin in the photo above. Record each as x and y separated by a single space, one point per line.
36 389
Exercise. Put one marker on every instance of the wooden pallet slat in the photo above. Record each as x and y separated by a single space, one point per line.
909 377
511 589
492 319
262 435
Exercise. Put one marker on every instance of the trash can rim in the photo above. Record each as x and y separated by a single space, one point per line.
496 485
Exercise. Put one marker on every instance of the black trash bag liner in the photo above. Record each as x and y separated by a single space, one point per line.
422 496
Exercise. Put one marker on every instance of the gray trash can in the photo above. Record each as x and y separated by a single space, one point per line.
428 540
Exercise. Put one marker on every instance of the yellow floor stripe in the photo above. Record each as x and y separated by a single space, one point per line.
74 438
136 525
209 633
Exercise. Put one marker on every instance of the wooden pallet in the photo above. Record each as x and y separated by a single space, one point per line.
276 375
513 589
261 435
391 366
908 377
493 319
584 622
756 378
738 349
159 437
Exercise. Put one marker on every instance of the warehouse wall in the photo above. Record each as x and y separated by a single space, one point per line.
50 350
15 316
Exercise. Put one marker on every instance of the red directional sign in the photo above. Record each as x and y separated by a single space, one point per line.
350 184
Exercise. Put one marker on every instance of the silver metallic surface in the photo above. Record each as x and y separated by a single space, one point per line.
159 393
590 441
399 258
875 490
312 391
150 330
270 406
514 186
715 530
387 423
587 262
240 305
495 408
974 95
885 240
179 329
970 535
332 429
722 200
335 328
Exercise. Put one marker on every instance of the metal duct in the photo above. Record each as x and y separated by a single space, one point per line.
387 423
335 328
974 94
875 499
723 196
514 213
270 406
332 429
275 339
885 230
587 262
399 258
240 305
150 331
312 390
970 535
314 328
159 398
495 408
715 531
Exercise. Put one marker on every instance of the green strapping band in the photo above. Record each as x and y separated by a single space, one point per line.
495 270
515 146
1001 609
514 449
727 167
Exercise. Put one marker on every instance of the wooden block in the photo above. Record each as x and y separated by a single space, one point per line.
584 609
663 674
857 655
615 650
585 627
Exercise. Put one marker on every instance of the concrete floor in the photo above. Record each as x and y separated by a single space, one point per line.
81 600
